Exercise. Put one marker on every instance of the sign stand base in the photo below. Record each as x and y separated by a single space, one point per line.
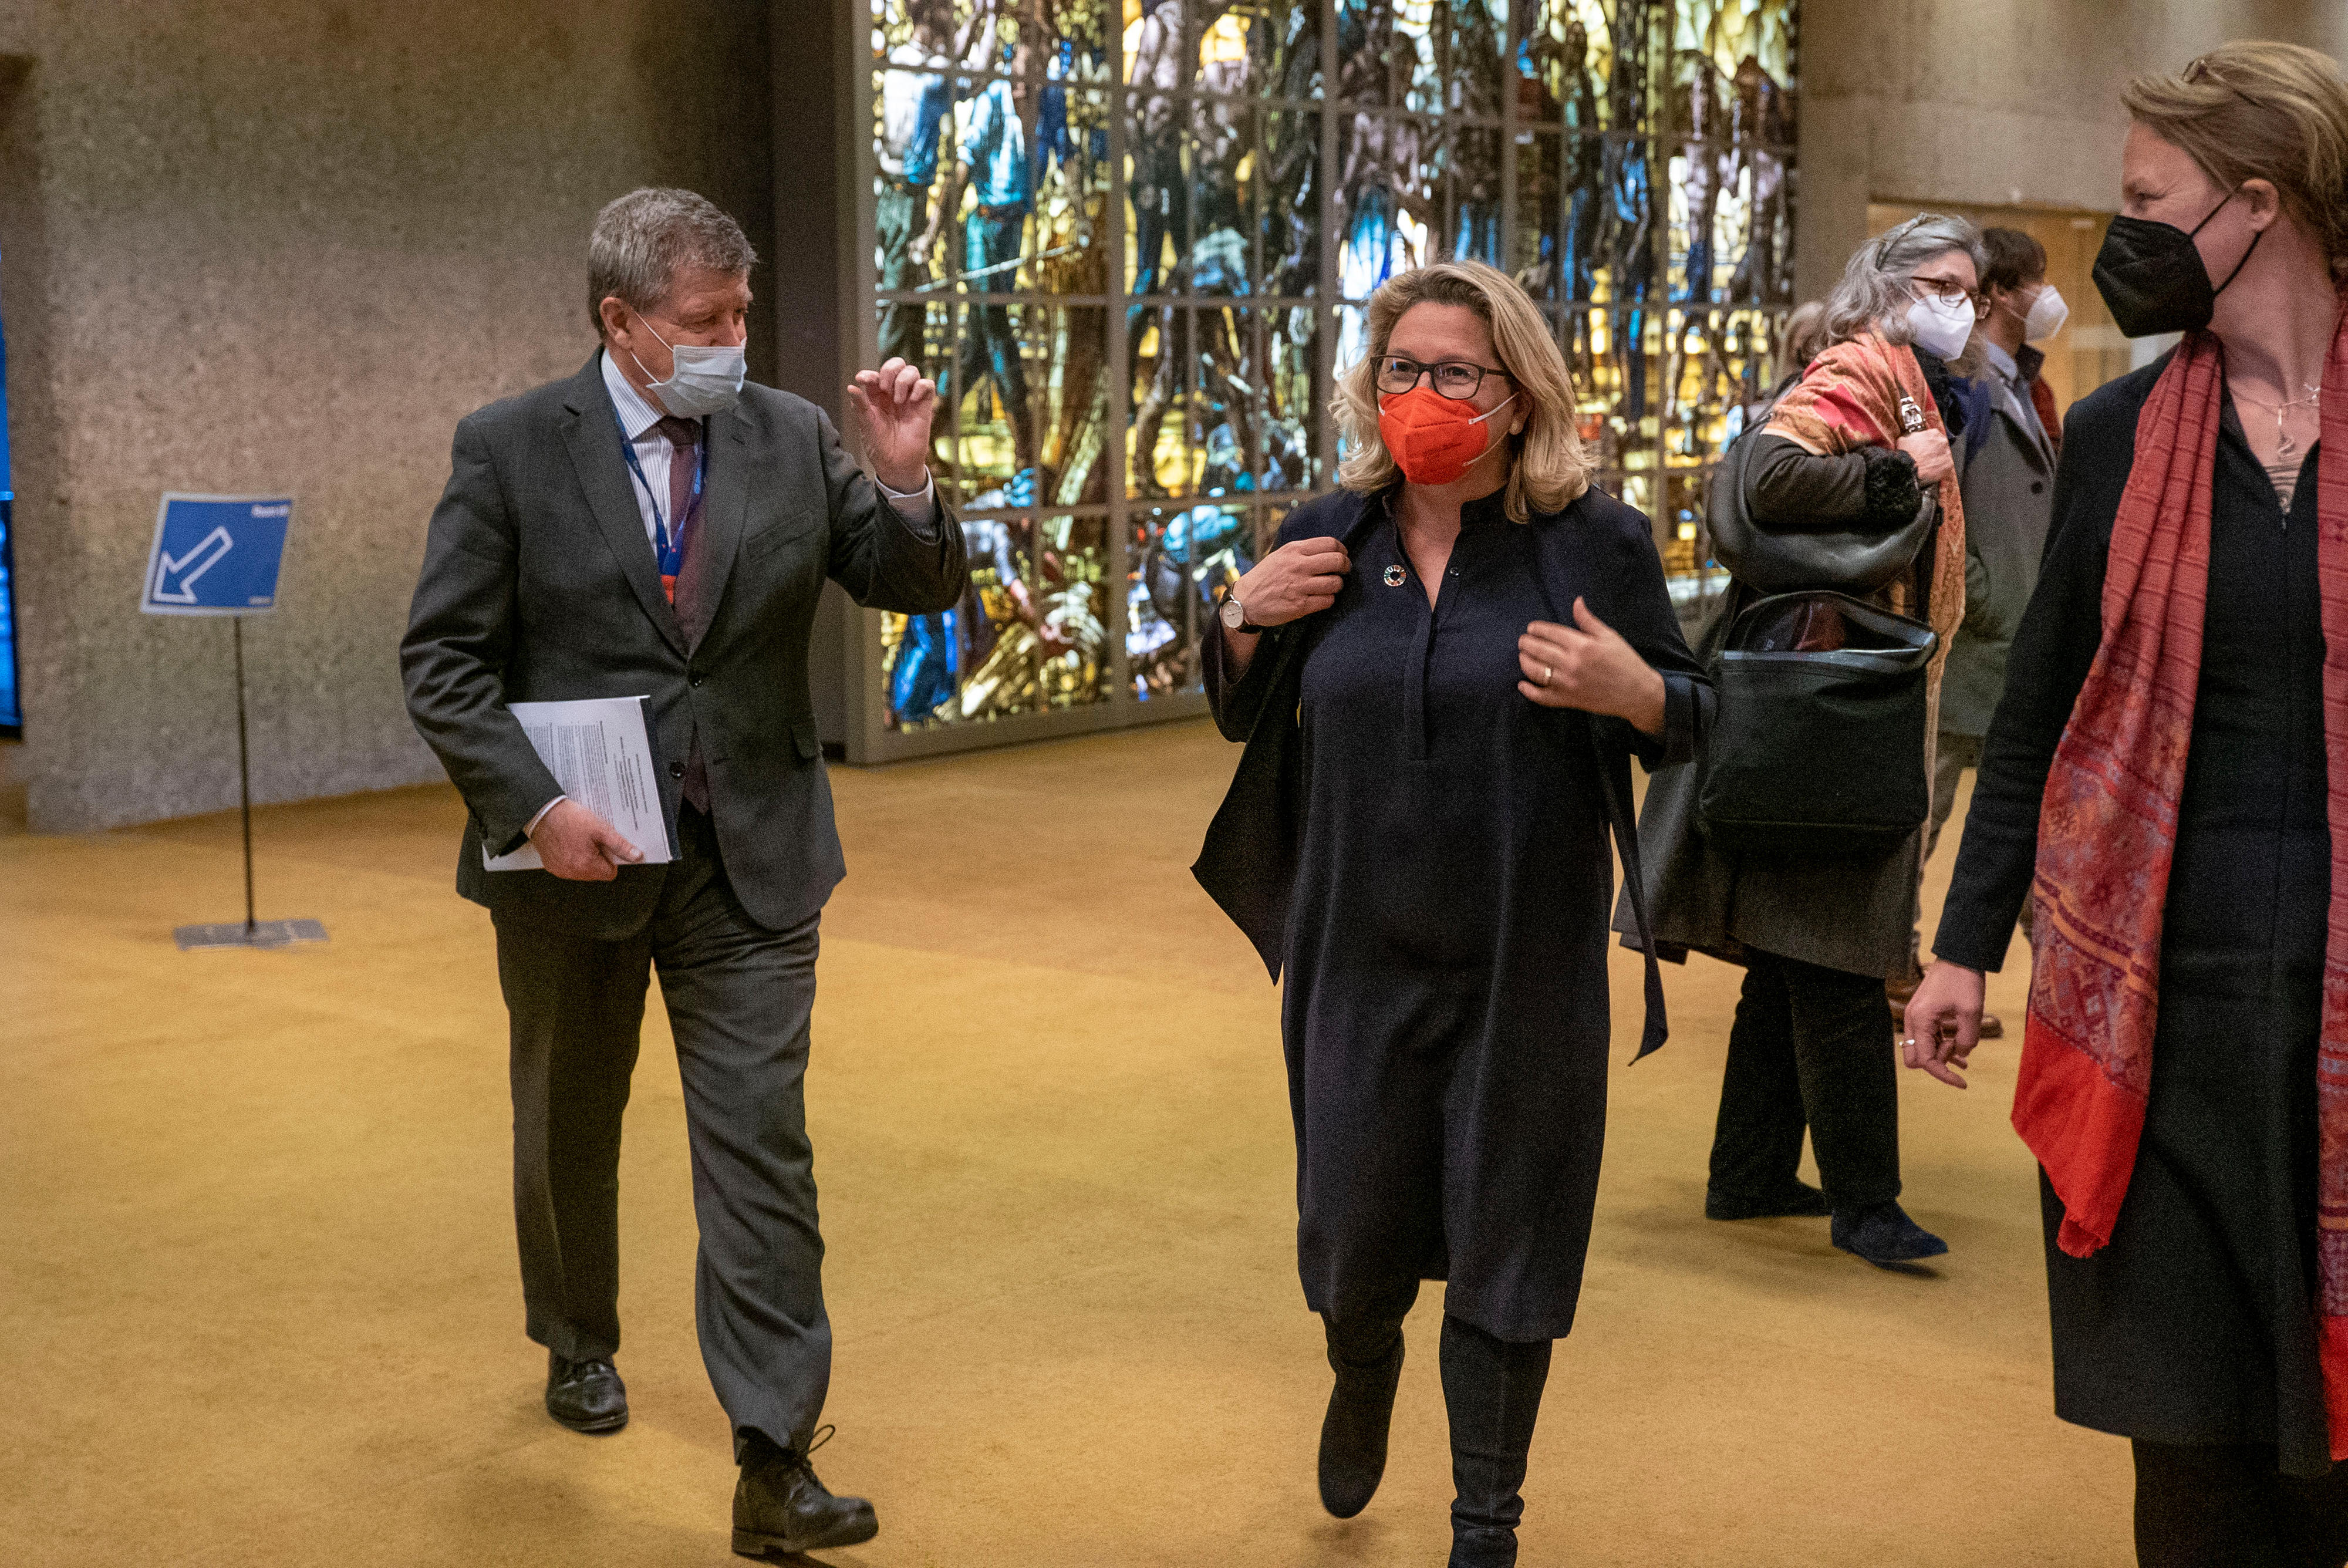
252 933
262 933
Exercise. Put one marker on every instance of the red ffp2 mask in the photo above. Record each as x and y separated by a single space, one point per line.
1433 438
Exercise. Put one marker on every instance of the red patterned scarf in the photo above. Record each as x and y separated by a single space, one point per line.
2107 832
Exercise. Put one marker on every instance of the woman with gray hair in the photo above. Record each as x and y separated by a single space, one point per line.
1848 449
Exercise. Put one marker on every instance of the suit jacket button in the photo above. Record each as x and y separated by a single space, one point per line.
677 770
693 680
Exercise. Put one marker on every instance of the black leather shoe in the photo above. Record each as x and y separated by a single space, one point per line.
1797 1200
780 1508
586 1395
1354 1432
1885 1236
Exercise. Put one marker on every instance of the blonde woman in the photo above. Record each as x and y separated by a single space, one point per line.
2165 779
1440 675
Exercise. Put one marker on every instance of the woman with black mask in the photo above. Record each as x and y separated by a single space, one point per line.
2167 777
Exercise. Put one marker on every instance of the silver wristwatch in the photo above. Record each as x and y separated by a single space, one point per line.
1233 614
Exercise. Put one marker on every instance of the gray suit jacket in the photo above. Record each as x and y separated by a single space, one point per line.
539 583
2008 487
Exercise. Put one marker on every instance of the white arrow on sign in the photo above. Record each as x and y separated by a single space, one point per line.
206 555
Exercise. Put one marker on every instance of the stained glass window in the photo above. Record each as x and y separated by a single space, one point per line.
1133 240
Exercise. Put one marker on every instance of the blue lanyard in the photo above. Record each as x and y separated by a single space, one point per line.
669 547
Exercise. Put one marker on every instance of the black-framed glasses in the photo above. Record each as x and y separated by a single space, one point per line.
1452 378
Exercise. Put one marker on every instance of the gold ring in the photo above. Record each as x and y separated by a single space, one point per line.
1549 673
1908 1043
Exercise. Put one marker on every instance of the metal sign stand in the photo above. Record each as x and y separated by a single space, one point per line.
252 933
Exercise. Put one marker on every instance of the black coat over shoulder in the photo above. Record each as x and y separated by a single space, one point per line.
1422 853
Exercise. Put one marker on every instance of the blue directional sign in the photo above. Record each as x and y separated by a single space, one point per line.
216 554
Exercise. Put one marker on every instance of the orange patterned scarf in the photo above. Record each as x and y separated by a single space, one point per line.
2107 832
1849 398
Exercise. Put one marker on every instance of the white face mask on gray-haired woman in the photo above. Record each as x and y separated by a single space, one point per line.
1940 327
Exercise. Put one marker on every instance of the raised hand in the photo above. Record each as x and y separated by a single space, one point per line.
578 845
1588 666
894 405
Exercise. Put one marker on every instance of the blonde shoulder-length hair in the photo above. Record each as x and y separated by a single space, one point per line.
2256 110
1548 467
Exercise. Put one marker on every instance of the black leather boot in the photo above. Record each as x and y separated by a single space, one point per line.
780 1508
586 1395
1492 1390
1354 1432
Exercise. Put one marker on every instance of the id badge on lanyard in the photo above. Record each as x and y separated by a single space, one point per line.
668 543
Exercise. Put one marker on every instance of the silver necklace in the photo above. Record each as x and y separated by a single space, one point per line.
2284 446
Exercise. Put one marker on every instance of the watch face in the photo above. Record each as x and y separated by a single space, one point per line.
1234 615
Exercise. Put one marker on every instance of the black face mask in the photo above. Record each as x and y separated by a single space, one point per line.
2151 278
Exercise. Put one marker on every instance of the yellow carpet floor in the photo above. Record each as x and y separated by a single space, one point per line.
258 1303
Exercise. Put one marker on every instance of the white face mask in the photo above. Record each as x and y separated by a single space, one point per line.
701 380
1940 327
2047 315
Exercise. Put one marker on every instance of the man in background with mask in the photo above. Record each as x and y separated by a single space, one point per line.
652 527
2007 478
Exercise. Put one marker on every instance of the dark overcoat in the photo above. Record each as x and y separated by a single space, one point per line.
1422 852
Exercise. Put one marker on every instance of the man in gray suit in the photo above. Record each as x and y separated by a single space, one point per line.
2006 474
654 527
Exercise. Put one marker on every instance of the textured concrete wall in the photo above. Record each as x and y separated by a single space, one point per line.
1992 102
284 245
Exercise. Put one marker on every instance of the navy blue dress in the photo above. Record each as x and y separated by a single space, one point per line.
1446 1015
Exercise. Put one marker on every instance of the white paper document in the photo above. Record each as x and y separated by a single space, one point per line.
598 751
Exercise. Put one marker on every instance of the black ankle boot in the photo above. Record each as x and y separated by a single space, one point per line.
780 1509
1492 1390
1354 1432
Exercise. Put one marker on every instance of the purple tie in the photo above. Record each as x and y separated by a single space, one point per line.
685 592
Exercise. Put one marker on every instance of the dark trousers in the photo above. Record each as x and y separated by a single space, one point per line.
1811 1047
2226 1506
738 997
